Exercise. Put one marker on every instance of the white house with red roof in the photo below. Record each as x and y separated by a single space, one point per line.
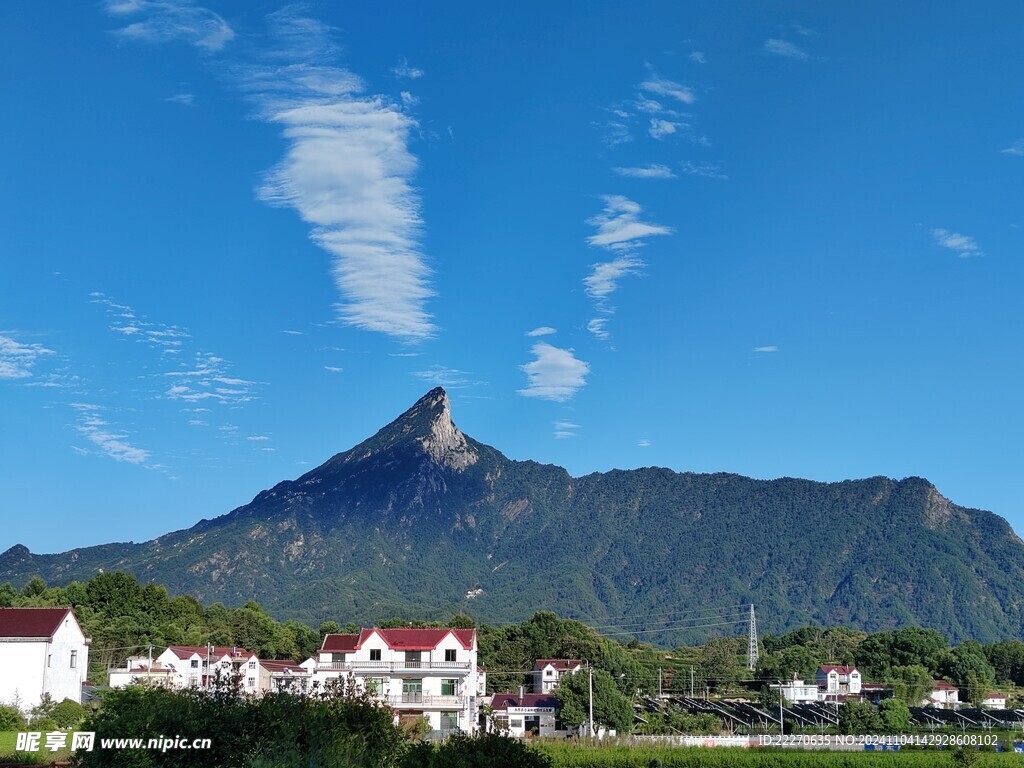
42 650
994 700
525 713
944 695
197 666
140 669
285 676
838 680
418 672
547 673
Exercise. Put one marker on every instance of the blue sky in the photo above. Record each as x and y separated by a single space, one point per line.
772 239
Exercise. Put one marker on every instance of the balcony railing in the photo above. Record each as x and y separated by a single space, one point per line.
392 666
430 700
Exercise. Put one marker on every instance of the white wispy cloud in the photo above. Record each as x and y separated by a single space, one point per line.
127 322
767 349
785 48
554 373
707 170
206 379
402 69
105 438
163 21
660 128
565 429
663 87
963 245
348 172
257 438
443 376
699 57
619 227
643 443
1016 149
333 369
652 171
620 231
544 330
18 360
185 99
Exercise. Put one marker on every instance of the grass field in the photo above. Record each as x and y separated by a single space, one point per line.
8 755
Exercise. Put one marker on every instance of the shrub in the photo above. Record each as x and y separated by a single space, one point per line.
11 719
68 713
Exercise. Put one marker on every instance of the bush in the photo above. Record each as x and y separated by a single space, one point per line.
68 713
485 750
11 719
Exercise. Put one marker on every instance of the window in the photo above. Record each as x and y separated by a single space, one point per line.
413 659
449 654
74 659
412 690
49 660
375 685
515 722
375 654
251 682
549 672
449 721
449 687
195 663
252 665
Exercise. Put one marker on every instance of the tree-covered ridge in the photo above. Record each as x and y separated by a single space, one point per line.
124 618
394 527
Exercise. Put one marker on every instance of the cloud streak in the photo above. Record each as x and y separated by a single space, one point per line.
108 442
554 373
164 21
964 246
348 172
785 48
652 171
17 360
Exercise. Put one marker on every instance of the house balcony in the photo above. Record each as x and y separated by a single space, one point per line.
424 701
397 666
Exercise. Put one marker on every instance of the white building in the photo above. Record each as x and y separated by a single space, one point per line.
994 700
838 680
547 673
42 650
430 673
285 676
526 713
943 696
797 691
140 669
197 666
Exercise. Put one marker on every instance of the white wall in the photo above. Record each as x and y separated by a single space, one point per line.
60 679
22 666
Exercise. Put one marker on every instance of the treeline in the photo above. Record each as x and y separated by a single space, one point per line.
908 660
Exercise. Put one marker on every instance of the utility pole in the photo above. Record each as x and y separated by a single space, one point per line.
590 671
659 682
782 729
691 681
752 654
149 669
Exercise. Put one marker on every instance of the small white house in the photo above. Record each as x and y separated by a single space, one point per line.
42 650
534 714
835 680
994 700
196 666
285 676
943 696
547 673
797 691
140 669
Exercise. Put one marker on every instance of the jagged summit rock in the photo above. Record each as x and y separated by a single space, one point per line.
427 425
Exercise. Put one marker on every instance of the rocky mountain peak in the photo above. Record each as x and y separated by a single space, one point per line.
429 424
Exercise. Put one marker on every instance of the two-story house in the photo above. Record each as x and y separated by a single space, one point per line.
197 666
547 673
430 673
944 695
42 651
838 680
525 713
285 676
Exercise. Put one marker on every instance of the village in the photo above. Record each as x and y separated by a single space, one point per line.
429 675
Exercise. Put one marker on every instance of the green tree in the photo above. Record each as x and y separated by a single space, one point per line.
894 716
858 717
910 684
68 714
611 708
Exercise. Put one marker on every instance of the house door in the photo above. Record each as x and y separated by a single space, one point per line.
412 691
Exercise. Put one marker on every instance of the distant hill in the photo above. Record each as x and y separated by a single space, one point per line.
413 519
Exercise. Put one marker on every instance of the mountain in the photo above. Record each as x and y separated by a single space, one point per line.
418 517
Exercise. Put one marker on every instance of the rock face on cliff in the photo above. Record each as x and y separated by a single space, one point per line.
422 521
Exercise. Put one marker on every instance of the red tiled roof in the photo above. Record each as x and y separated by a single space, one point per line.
216 652
995 695
561 665
283 666
942 685
31 622
336 643
842 669
506 700
400 639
